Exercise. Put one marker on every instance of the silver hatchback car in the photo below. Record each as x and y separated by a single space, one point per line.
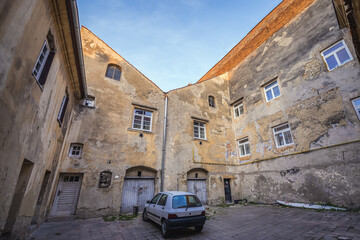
174 210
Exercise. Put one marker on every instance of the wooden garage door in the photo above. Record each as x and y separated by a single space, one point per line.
198 186
136 192
67 194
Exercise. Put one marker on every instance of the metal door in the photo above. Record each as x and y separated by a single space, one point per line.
67 194
227 190
135 193
198 186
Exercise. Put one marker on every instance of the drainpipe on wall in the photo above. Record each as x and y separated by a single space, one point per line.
164 147
78 44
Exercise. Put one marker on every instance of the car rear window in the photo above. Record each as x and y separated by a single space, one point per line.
185 201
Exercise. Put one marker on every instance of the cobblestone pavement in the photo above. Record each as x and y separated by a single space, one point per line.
237 222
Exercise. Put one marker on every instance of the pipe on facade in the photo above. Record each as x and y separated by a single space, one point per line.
75 18
164 146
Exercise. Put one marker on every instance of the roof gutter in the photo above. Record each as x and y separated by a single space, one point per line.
75 26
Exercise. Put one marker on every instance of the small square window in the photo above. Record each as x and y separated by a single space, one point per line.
282 135
244 147
89 103
336 55
75 150
142 120
238 109
272 91
356 104
199 130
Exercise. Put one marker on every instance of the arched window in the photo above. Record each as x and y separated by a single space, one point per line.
211 101
113 72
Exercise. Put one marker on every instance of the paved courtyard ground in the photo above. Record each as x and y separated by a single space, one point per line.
236 222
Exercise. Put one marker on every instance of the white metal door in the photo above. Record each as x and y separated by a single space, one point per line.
67 194
136 192
198 186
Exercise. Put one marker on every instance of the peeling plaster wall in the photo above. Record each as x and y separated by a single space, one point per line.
182 149
315 102
29 128
106 131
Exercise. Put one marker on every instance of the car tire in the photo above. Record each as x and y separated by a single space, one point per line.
145 216
164 229
199 228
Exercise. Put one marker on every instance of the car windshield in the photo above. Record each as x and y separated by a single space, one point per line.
186 201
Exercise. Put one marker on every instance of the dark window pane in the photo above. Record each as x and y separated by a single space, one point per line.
179 202
288 138
117 74
340 44
331 62
109 72
343 55
276 91
247 149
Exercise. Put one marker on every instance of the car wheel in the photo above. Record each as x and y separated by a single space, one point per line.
164 229
145 216
199 228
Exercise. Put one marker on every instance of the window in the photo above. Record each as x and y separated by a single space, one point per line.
62 111
238 109
211 101
142 120
75 150
244 147
113 72
155 199
356 104
185 201
199 130
336 55
282 135
272 91
162 200
43 62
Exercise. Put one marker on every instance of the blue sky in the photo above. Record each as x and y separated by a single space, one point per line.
172 42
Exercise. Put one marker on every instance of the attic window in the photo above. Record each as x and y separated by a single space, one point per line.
336 55
113 72
211 101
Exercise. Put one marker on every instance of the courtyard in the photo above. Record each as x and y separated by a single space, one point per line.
234 222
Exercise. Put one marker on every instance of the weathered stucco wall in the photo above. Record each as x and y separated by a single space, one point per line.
29 128
315 102
106 131
182 149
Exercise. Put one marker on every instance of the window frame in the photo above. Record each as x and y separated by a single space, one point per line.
199 127
114 70
356 108
272 90
80 150
288 129
142 119
62 111
244 143
43 63
211 100
334 53
239 105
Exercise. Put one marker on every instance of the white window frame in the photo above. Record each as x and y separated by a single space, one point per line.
238 106
272 90
42 64
242 143
282 132
198 127
356 107
89 103
72 149
334 53
142 119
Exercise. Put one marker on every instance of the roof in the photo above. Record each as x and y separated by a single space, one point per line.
274 21
177 193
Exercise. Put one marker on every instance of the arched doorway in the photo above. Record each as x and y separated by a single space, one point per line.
139 186
196 183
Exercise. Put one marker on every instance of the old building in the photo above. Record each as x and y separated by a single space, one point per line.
42 78
277 118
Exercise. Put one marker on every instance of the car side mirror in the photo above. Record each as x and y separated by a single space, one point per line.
148 201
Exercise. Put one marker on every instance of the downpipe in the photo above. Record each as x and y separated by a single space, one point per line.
164 147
